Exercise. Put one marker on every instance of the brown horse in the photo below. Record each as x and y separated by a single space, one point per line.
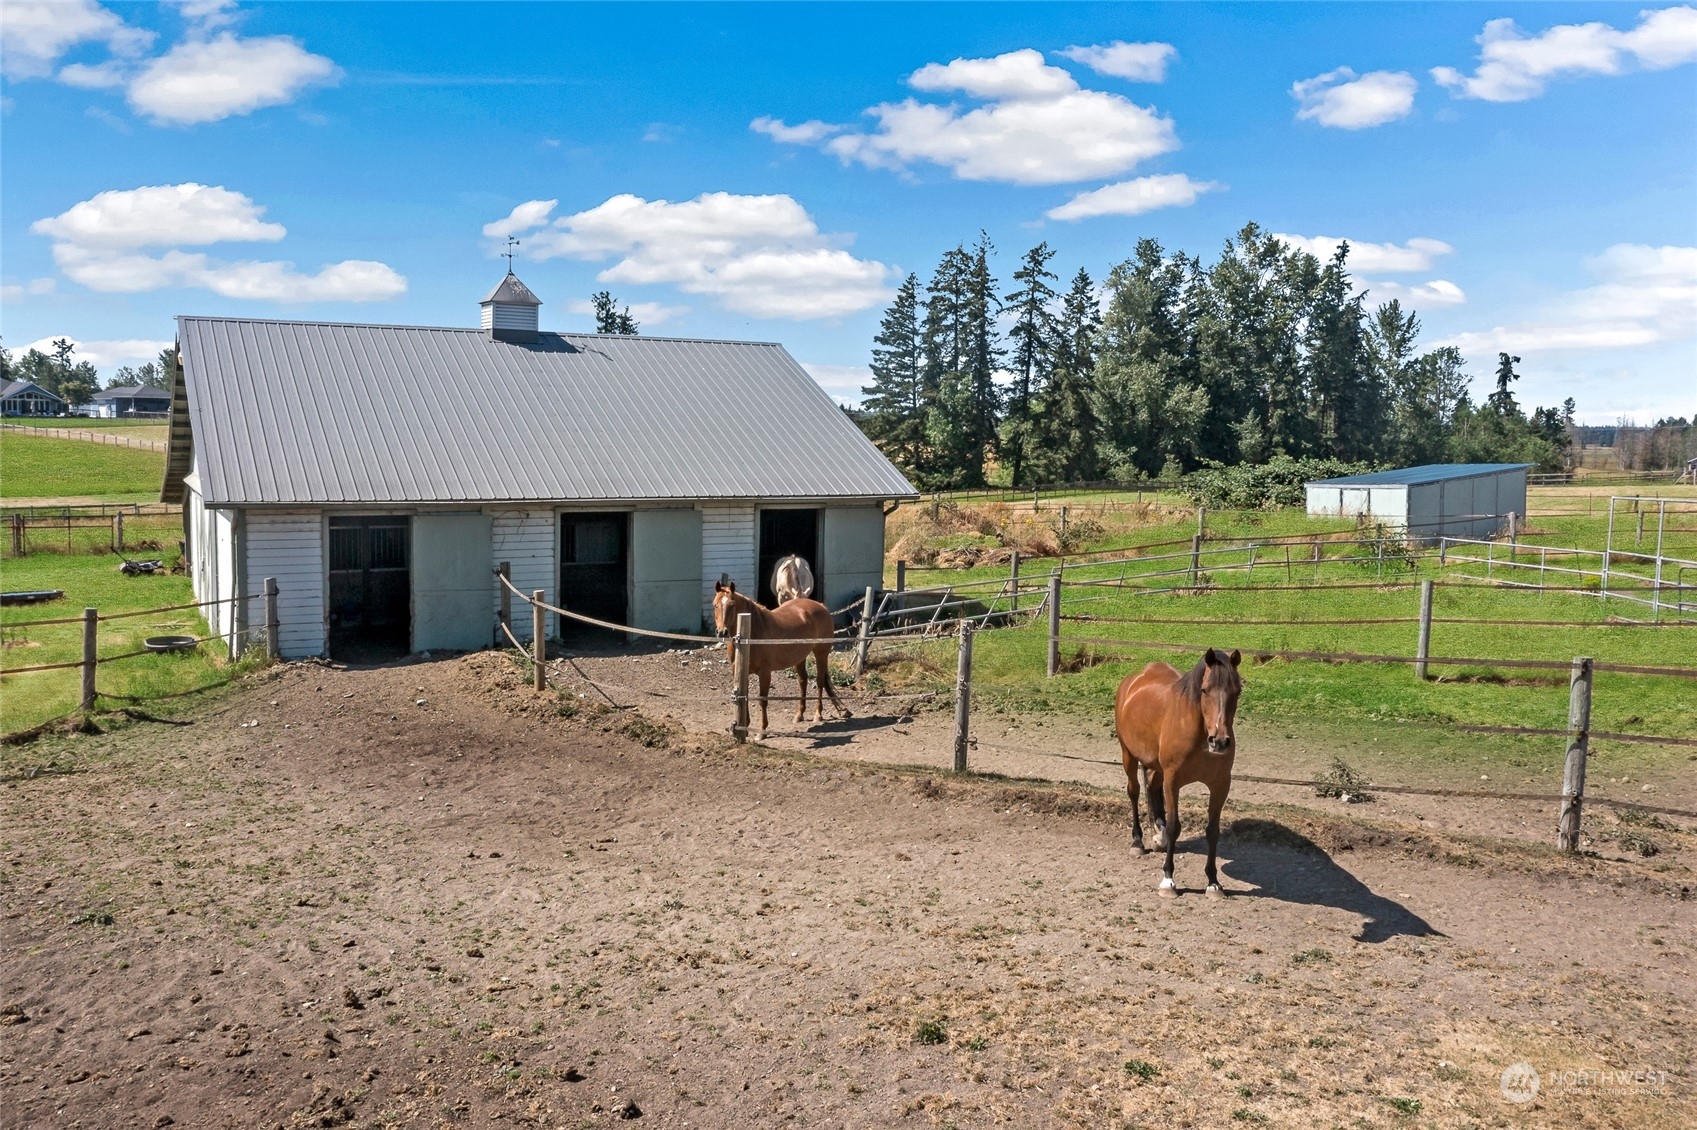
1178 729
796 619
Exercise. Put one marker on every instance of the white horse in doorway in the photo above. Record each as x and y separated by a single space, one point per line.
792 578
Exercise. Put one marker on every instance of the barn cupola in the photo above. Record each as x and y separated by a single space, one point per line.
509 312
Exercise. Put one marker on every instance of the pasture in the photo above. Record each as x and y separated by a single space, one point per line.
426 895
41 468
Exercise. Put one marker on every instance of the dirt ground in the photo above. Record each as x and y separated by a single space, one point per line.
423 895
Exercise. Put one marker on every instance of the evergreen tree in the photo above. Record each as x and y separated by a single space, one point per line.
609 318
1502 401
1347 402
1066 430
1033 338
894 404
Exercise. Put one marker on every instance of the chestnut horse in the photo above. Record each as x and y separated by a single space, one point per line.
1178 729
797 619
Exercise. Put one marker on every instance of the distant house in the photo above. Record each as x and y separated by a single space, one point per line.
26 398
382 473
1429 502
131 400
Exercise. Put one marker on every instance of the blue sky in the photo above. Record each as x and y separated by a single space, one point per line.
1524 175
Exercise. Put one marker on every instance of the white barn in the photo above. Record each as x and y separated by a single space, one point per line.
381 473
1429 502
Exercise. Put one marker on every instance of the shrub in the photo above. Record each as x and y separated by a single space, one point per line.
1277 482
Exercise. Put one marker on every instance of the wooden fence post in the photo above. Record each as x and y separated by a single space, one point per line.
1013 582
864 646
90 623
1513 535
1424 648
1201 522
505 570
273 622
1578 740
901 576
1054 623
745 629
1063 534
118 531
17 535
539 638
963 695
1195 557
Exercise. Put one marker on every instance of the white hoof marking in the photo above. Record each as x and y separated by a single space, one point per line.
1167 884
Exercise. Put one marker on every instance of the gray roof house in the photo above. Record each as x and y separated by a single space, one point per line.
130 400
381 473
26 398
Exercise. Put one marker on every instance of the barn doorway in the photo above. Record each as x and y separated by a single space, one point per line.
370 587
783 532
594 551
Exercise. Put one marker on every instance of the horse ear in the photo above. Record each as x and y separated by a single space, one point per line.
1210 658
1237 657
730 586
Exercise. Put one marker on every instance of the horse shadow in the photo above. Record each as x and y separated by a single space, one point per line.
842 731
1281 863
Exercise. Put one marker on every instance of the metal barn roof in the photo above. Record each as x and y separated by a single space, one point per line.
1417 476
315 412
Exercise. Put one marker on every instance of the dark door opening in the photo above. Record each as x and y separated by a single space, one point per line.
783 532
593 549
370 588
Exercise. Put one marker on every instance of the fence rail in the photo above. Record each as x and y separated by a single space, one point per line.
86 436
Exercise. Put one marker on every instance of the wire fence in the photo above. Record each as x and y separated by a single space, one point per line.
88 436
69 530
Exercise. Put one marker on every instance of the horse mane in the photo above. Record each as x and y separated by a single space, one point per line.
1190 683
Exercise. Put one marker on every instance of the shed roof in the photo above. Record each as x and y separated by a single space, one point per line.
133 392
1416 476
321 412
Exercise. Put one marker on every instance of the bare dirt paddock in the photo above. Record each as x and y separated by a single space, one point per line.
420 895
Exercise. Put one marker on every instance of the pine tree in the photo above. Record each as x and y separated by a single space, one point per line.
609 319
1502 401
945 344
984 356
893 408
1346 402
1066 429
1033 337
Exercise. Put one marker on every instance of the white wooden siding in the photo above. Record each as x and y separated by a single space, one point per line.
528 539
727 546
289 545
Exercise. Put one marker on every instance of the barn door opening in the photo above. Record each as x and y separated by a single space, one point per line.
593 572
370 588
783 532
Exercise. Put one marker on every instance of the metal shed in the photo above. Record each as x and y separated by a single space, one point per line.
1429 502
381 473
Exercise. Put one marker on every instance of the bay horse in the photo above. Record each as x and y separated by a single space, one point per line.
797 619
791 578
1178 729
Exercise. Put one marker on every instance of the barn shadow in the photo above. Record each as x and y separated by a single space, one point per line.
1278 862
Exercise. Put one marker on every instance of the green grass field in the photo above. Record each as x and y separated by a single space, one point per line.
92 581
1301 695
42 467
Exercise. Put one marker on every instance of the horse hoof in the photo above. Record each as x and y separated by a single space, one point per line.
1167 889
1139 849
1214 891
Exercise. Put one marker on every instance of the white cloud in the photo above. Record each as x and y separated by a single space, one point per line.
1514 67
1417 254
35 288
647 314
1017 74
758 255
1644 296
99 243
1134 197
105 354
35 33
101 76
1139 62
1437 292
160 216
1039 127
803 133
842 382
1343 100
206 80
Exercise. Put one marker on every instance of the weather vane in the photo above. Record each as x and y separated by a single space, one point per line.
511 243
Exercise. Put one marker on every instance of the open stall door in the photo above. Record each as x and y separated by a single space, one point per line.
783 532
370 587
453 603
594 572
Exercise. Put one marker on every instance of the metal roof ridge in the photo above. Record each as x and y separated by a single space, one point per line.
470 330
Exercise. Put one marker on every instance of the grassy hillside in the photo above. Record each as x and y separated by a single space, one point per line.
40 467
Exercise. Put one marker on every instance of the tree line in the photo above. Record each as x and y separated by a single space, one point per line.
1174 365
76 382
